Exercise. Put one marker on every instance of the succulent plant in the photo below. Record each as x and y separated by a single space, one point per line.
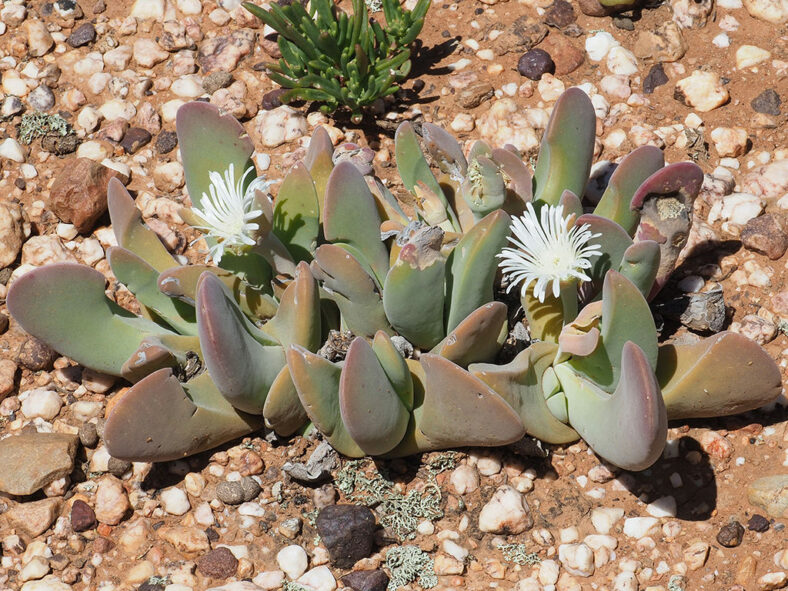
220 350
341 59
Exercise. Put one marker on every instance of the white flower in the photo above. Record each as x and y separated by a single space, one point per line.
228 211
547 251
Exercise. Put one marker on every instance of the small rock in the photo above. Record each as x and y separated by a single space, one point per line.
621 61
83 518
731 534
147 53
748 56
535 63
42 403
219 564
639 527
272 99
10 149
32 460
566 57
175 501
293 561
79 193
769 181
35 517
348 533
82 35
166 142
230 492
560 14
135 138
366 580
767 235
39 41
219 79
35 569
770 581
185 538
111 501
624 23
34 354
716 445
577 559
506 513
696 554
772 11
729 141
283 124
464 479
474 95
222 53
664 44
599 45
691 14
758 523
702 91
768 103
11 233
88 435
319 579
250 488
41 99
770 493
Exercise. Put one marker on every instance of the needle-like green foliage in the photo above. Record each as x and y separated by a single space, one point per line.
340 59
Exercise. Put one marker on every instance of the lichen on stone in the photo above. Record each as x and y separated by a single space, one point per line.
399 513
36 125
518 554
408 564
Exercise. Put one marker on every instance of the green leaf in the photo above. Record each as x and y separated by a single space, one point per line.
297 214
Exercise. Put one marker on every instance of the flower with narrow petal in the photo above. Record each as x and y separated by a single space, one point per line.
548 250
227 211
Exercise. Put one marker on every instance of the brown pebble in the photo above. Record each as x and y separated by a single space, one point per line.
219 564
766 235
731 534
82 516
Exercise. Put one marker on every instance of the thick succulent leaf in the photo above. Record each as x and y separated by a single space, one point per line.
297 214
413 293
444 149
519 382
461 410
627 428
370 408
483 189
413 167
571 204
567 148
347 283
634 169
395 366
613 241
520 179
282 410
472 268
210 142
317 382
351 216
388 206
142 281
177 352
625 317
319 162
721 375
242 368
181 283
640 265
664 202
64 305
131 233
160 419
297 321
478 338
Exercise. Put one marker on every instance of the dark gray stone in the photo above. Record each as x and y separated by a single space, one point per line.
768 103
366 580
135 138
213 82
534 63
731 535
656 77
166 142
82 35
348 532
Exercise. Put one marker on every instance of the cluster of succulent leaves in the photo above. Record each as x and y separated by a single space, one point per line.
341 59
219 352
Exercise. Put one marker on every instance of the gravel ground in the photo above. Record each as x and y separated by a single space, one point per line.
703 80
